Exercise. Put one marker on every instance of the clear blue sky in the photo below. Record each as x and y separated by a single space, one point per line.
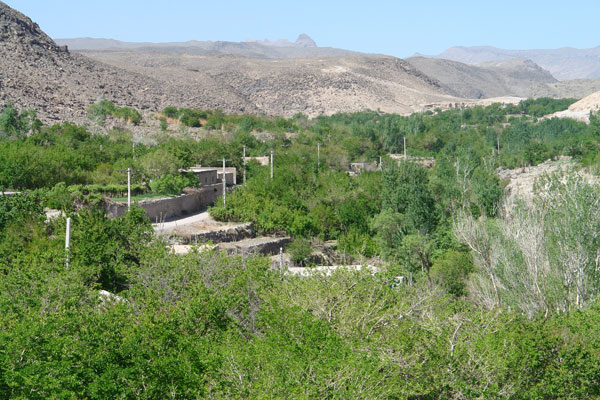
398 28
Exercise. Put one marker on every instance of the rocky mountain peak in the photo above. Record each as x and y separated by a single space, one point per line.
305 41
17 30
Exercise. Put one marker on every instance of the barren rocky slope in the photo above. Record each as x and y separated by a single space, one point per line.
581 109
512 78
564 64
37 73
587 104
285 87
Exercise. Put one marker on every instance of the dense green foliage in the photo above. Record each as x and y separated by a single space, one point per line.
473 297
101 109
173 184
14 123
208 325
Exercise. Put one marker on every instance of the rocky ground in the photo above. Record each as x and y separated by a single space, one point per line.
312 86
581 110
521 181
36 73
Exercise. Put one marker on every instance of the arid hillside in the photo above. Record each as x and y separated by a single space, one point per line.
581 110
587 104
512 78
36 73
60 84
285 87
564 63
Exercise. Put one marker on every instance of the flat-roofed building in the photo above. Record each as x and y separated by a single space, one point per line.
206 175
212 175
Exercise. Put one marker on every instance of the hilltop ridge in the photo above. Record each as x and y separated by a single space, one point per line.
303 47
565 63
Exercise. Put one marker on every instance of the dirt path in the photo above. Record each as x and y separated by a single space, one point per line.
202 216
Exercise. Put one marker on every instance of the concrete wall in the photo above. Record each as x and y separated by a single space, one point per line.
207 177
159 210
230 176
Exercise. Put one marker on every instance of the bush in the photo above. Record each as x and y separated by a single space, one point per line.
451 272
164 125
170 112
300 251
19 207
13 123
356 243
98 111
60 197
173 184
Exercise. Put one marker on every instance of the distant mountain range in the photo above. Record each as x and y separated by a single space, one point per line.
564 64
303 47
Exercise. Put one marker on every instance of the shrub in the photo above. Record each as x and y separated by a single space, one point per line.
451 271
173 184
300 251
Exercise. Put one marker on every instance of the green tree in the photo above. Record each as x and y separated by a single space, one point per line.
406 192
451 271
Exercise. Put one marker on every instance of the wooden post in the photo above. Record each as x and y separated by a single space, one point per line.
128 188
281 262
68 242
271 164
224 185
318 157
244 165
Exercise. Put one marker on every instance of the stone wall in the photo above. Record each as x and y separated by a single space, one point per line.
263 245
192 201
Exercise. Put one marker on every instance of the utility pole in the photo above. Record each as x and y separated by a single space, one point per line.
68 241
318 157
129 171
224 185
498 143
405 148
281 263
128 188
271 164
244 165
